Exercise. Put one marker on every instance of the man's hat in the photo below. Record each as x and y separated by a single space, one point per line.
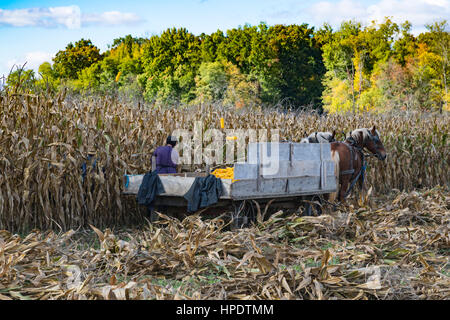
171 140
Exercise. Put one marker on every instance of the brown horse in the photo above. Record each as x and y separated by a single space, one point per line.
349 159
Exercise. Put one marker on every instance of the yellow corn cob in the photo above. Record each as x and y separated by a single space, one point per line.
227 173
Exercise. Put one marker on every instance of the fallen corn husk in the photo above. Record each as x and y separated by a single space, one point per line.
396 250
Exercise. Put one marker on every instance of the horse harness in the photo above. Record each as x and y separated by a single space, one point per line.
352 145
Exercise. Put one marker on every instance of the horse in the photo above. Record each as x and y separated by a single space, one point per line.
320 137
349 159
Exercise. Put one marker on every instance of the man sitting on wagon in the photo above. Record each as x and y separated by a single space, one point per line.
166 157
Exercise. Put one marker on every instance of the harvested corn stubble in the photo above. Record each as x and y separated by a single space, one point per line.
397 249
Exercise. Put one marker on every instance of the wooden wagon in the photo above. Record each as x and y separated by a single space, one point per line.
283 173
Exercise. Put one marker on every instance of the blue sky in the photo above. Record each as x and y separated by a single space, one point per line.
34 31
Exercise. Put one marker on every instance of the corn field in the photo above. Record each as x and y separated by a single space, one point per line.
44 142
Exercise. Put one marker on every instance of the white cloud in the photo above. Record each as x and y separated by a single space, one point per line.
69 16
418 12
66 16
32 59
335 13
112 18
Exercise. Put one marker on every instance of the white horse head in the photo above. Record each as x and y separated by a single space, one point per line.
320 137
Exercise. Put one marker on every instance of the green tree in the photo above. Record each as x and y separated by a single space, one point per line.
283 61
89 78
21 81
211 82
397 85
406 46
128 41
242 90
170 63
353 54
439 43
339 56
297 67
127 53
48 77
69 62
209 45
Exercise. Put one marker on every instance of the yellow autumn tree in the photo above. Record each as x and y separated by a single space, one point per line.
337 96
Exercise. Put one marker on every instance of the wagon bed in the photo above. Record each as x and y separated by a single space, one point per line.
304 170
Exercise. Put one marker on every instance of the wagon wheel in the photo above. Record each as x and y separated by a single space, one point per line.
151 212
307 209
318 207
243 214
310 208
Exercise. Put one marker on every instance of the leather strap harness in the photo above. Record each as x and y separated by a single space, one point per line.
352 145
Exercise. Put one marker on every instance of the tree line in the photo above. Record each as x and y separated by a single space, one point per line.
378 67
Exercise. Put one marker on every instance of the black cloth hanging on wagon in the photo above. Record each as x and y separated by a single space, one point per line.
204 192
150 187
